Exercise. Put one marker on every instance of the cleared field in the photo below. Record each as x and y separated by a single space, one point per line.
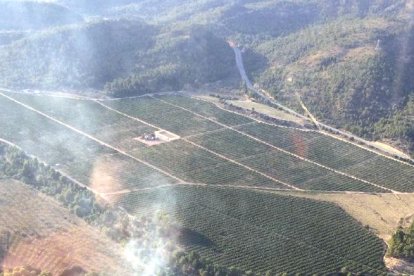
49 237
259 231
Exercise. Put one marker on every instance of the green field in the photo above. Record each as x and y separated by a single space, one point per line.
79 158
224 158
338 155
259 231
220 147
278 164
69 151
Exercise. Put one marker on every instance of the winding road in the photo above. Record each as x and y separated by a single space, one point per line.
262 94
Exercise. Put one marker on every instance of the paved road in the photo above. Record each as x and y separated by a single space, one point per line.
320 125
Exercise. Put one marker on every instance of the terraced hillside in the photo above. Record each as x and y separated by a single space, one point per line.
207 179
215 146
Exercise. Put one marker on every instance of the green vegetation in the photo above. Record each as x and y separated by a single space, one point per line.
192 57
353 73
402 243
77 56
279 165
15 164
73 153
126 57
206 109
165 116
115 223
338 155
400 124
259 231
200 157
350 61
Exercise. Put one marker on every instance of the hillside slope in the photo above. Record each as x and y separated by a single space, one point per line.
127 57
352 73
49 237
77 56
23 15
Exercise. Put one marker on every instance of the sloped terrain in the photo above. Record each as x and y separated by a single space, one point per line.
35 15
49 237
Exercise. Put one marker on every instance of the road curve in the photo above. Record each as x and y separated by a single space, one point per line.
262 95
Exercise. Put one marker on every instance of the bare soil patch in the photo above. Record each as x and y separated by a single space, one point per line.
383 213
37 231
399 266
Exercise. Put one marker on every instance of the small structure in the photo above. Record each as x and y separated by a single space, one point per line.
157 137
150 137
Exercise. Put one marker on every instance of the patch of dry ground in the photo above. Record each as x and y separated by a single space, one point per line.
36 230
261 108
390 149
399 266
268 110
163 136
381 212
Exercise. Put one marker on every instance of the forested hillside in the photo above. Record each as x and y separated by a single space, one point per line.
126 57
352 72
23 15
192 57
350 61
83 56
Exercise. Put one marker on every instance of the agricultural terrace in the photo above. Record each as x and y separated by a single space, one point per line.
223 148
337 154
262 231
335 164
84 158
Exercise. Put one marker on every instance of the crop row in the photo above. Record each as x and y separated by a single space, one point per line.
279 165
70 152
337 154
207 109
178 158
325 150
196 165
164 115
90 117
261 231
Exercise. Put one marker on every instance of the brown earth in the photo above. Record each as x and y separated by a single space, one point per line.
36 231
